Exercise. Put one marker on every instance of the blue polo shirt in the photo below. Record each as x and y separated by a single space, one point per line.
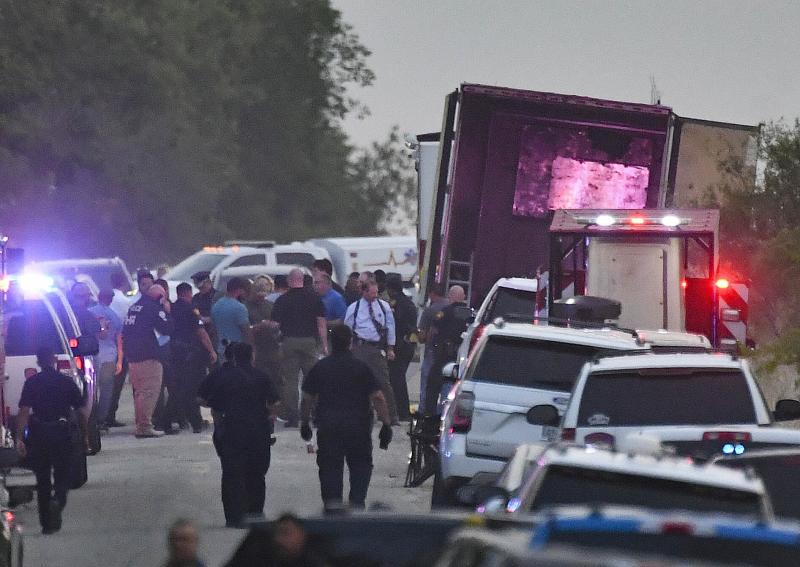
229 317
335 306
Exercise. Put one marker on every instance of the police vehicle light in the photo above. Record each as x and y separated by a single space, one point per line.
35 281
738 449
604 220
637 220
670 220
722 283
684 284
5 284
727 448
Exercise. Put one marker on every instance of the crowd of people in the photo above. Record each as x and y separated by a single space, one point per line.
251 351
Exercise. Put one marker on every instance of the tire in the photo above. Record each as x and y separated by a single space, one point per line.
445 492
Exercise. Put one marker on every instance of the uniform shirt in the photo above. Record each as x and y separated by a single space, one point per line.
429 315
405 316
203 301
113 325
344 385
297 311
229 316
361 322
242 395
187 322
50 395
145 318
335 307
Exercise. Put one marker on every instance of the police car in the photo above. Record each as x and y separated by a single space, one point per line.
572 475
697 404
513 368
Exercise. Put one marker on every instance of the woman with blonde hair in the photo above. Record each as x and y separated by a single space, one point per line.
265 337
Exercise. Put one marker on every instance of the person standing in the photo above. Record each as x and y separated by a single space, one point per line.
341 390
106 359
230 315
265 336
280 287
244 401
335 307
372 323
325 266
352 288
80 299
192 352
405 322
139 345
300 316
446 332
436 302
167 410
44 411
121 301
204 298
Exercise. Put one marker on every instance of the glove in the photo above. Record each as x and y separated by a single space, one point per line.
385 436
305 431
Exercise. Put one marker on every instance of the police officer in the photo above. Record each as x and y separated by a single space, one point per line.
44 410
341 389
243 398
372 322
446 330
405 318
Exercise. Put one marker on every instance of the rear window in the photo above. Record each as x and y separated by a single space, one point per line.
574 485
510 301
30 326
674 396
295 258
533 364
780 474
736 551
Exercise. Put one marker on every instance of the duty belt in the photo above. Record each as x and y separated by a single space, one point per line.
360 341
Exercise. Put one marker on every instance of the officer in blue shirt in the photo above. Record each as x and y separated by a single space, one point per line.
230 316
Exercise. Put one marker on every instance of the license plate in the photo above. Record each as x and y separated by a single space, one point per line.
549 433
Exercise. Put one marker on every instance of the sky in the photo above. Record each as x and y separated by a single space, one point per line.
726 60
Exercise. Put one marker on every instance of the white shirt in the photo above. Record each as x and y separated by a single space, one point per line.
120 304
363 328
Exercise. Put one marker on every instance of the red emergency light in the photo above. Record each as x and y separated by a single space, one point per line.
636 220
722 283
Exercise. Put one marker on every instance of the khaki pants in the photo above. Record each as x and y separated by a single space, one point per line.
374 358
146 381
299 354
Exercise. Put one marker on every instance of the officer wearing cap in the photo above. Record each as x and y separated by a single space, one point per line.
45 406
204 298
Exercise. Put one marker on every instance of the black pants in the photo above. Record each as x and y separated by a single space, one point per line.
397 378
50 458
191 369
119 383
168 408
337 445
244 466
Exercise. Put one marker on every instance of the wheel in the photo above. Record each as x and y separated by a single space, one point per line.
444 494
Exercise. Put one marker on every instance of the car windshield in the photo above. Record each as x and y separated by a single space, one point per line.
510 301
577 485
533 364
200 262
738 551
30 326
674 396
779 473
297 258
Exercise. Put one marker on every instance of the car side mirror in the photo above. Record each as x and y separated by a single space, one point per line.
786 410
543 414
85 345
450 372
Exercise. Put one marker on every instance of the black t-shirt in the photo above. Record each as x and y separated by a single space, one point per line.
344 385
242 395
50 395
145 317
203 302
186 324
405 317
297 311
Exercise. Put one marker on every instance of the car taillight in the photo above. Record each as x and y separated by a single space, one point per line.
79 362
462 412
568 434
727 436
677 528
598 438
475 336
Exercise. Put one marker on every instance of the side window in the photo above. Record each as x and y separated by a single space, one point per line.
297 258
251 260
30 328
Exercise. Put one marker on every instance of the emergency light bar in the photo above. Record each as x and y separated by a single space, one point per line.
668 220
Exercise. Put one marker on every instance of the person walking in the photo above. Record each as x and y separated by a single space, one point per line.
106 359
436 302
230 315
405 322
300 316
335 307
139 344
244 401
192 352
372 323
342 390
45 406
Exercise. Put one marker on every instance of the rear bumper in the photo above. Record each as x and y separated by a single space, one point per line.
455 462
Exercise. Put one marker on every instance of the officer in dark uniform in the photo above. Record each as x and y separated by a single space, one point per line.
447 327
341 388
405 323
243 398
203 299
45 406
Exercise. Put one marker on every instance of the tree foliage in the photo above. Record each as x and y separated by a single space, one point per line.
145 128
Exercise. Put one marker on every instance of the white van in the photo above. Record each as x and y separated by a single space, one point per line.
392 254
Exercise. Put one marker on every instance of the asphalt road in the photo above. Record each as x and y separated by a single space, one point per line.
137 487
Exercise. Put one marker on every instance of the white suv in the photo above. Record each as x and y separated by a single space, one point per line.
513 368
508 296
699 404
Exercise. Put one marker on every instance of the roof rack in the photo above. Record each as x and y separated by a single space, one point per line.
252 243
558 321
